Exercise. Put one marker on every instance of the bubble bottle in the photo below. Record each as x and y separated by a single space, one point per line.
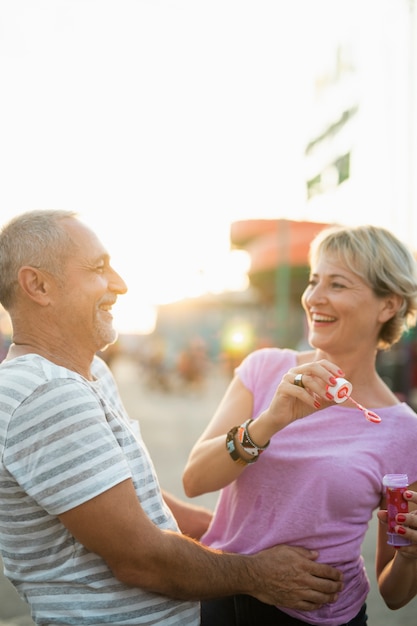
395 485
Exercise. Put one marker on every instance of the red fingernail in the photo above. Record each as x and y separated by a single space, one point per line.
400 518
401 530
329 396
332 380
340 372
408 494
317 404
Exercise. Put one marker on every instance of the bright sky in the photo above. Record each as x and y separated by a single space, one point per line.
161 122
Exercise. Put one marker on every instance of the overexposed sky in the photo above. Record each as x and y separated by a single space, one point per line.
161 122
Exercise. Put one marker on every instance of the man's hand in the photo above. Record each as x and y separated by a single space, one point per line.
296 580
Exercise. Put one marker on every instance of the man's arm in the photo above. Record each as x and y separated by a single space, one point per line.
114 526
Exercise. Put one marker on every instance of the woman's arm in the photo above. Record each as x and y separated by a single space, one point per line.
210 466
396 569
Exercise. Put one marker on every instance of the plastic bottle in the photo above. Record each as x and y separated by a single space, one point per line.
395 485
341 391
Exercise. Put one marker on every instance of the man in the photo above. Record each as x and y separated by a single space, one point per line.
85 534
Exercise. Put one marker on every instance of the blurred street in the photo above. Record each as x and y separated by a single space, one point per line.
170 423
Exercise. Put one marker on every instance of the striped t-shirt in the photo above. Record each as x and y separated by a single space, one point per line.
63 441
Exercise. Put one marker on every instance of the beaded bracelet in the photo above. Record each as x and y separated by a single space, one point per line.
247 442
232 450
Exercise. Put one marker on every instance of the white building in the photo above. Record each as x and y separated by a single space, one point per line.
361 153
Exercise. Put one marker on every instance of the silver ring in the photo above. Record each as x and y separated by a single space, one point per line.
298 380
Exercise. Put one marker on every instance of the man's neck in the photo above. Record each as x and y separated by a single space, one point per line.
58 357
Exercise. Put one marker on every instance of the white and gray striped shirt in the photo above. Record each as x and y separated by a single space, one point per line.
63 441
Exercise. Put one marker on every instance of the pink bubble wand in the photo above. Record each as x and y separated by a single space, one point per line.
370 415
341 392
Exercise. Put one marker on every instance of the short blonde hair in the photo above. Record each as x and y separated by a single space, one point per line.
385 263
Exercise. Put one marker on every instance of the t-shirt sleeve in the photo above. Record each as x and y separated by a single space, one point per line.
265 367
61 449
262 371
250 368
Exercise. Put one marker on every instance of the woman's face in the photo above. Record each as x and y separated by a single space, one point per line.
342 310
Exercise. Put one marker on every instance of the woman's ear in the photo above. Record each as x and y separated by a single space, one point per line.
392 305
35 283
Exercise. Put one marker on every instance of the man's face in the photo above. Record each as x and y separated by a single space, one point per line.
90 287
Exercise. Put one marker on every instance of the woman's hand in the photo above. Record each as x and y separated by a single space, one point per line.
301 390
406 525
397 574
210 466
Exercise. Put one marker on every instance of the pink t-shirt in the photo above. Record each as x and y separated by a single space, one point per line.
316 485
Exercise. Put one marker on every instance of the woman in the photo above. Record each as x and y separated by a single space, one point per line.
278 472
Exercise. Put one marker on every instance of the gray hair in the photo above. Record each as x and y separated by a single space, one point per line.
37 239
383 262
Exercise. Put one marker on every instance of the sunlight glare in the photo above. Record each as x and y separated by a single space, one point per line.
136 311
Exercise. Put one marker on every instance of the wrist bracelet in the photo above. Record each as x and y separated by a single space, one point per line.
247 442
242 439
232 450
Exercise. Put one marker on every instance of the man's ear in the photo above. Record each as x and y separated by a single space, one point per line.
392 305
35 283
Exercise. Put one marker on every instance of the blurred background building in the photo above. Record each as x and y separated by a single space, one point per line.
351 158
358 153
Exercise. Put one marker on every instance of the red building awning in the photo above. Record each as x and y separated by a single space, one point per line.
271 243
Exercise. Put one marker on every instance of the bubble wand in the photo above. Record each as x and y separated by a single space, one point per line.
341 392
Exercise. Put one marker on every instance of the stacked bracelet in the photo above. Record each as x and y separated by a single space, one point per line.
247 443
231 448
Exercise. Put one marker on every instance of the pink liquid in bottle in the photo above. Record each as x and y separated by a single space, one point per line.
395 485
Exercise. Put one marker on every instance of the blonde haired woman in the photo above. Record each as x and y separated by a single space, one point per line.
315 482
